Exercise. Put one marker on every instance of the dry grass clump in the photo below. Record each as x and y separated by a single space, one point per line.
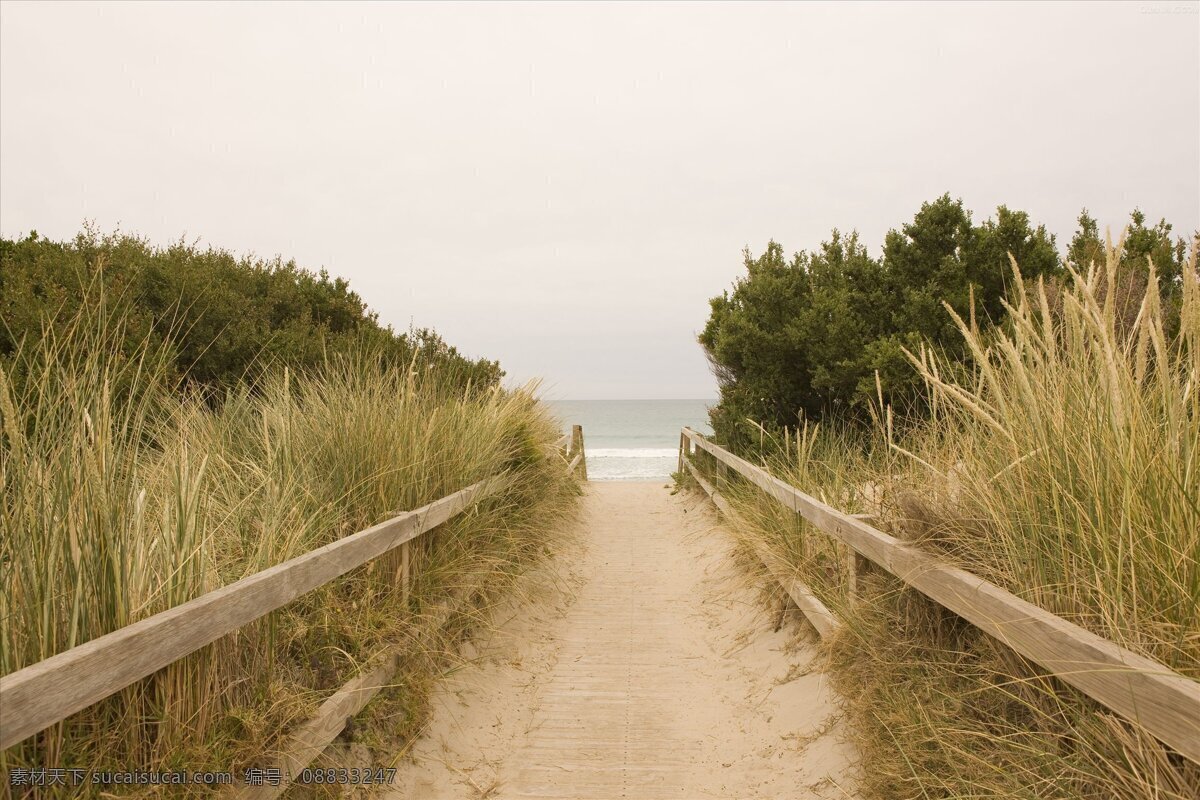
120 500
838 466
1063 464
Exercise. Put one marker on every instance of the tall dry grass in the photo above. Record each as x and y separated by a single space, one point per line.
1062 464
122 498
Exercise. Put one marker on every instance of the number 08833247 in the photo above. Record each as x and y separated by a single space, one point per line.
347 776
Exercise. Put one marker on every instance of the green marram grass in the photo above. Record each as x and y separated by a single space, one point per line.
124 497
1062 463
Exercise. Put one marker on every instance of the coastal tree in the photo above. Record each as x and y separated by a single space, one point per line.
806 337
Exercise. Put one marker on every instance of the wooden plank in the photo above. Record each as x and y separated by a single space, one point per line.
574 462
311 738
1152 695
44 693
562 448
817 613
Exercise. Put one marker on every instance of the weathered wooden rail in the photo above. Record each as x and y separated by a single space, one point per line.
42 694
1161 701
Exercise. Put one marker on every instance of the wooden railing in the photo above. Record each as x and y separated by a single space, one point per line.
573 443
42 694
1152 695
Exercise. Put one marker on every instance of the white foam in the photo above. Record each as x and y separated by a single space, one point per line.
630 452
630 463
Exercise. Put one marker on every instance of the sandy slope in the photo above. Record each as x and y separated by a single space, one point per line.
641 668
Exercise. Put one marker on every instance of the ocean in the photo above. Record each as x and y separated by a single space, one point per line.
632 440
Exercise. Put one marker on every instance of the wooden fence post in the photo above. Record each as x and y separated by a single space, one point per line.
577 442
856 565
404 570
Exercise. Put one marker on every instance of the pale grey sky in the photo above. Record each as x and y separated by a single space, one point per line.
563 186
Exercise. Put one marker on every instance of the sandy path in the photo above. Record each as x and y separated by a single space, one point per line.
643 667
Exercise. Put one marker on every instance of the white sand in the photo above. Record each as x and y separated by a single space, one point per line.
643 667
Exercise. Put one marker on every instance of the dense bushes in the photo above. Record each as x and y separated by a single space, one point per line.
223 319
806 337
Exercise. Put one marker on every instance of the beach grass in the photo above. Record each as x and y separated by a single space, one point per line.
1061 463
124 496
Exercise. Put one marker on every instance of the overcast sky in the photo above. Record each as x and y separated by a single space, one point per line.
563 186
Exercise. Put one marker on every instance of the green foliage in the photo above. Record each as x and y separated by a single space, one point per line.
940 257
222 319
791 338
755 339
121 497
825 333
1141 246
